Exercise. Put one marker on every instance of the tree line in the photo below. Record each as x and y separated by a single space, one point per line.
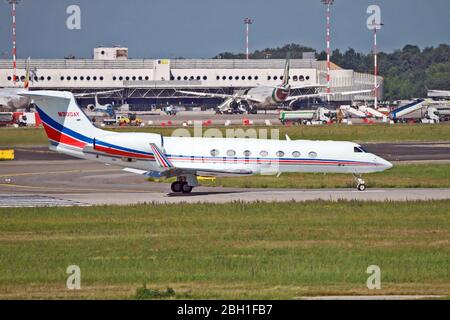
408 73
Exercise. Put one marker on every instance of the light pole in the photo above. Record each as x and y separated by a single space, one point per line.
247 22
375 26
14 52
328 4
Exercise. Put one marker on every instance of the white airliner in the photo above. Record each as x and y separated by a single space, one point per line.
263 96
107 109
11 99
70 132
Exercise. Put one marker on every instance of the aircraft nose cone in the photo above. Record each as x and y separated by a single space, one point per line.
386 164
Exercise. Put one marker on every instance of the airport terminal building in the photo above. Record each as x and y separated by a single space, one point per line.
147 82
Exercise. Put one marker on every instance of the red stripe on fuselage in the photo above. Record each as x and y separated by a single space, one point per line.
122 153
60 137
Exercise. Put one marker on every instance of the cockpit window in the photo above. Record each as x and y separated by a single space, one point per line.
360 150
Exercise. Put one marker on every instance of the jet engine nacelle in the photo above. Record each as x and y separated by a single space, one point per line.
91 107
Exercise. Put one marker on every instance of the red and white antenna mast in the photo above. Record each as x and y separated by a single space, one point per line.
14 51
247 22
328 3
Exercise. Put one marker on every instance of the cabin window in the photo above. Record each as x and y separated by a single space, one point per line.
247 153
231 153
264 154
312 155
215 153
280 154
296 154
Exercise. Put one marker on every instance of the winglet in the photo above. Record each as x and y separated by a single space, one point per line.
160 158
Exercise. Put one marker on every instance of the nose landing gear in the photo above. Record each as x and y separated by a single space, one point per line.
360 183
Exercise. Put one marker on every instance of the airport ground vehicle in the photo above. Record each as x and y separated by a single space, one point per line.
70 132
124 120
22 119
117 120
319 116
417 111
6 118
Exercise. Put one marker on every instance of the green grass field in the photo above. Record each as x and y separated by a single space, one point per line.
357 133
400 176
273 251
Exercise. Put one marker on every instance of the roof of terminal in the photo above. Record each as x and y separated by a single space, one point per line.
149 64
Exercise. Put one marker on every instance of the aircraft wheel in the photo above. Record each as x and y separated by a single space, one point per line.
177 187
361 187
186 188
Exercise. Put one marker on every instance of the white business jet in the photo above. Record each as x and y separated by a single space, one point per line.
70 132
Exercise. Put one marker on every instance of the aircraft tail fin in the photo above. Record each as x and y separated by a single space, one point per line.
26 83
286 72
63 120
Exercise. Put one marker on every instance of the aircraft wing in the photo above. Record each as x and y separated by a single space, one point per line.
222 96
78 95
324 94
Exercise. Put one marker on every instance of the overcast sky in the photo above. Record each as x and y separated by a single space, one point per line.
204 28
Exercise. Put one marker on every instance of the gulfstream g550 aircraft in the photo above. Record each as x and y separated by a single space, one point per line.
70 132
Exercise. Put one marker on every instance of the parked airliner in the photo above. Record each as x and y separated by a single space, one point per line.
11 99
71 132
263 96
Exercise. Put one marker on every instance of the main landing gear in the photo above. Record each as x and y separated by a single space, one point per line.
360 183
181 186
